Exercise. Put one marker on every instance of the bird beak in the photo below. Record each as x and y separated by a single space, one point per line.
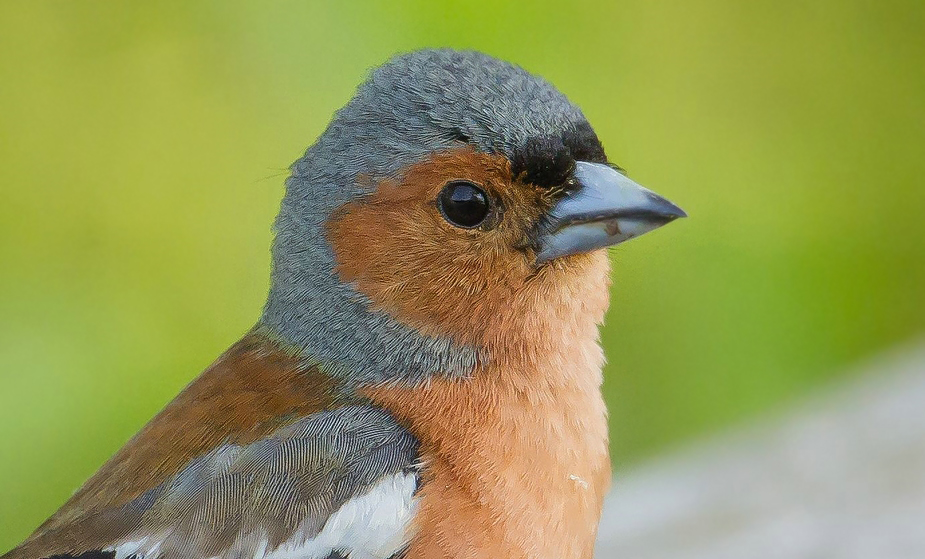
606 208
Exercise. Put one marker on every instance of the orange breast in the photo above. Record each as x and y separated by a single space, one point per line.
516 456
511 472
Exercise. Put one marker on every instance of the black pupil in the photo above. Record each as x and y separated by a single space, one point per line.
463 204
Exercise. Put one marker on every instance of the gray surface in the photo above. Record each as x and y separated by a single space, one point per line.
841 475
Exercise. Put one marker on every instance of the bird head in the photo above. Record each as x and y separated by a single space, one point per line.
455 204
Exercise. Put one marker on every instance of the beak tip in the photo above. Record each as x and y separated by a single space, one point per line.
665 208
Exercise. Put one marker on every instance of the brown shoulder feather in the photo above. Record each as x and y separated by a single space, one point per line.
250 391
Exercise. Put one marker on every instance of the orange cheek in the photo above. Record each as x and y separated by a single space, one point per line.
397 249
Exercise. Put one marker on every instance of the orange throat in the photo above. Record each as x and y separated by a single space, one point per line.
516 456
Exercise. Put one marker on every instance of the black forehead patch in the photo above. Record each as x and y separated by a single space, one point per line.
549 160
584 143
542 161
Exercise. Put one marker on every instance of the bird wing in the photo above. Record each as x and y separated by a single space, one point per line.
336 483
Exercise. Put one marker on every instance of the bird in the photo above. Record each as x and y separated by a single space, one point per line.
424 380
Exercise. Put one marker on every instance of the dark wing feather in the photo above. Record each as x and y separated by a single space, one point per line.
240 499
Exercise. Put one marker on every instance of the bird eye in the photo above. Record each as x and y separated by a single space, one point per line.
463 204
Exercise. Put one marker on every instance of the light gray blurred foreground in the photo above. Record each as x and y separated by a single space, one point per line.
840 476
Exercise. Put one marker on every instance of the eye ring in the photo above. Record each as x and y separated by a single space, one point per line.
463 204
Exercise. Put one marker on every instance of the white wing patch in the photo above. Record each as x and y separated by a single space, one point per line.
375 525
141 548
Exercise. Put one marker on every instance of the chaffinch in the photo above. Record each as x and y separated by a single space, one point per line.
424 381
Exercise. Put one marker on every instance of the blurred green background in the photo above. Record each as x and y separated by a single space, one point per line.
143 150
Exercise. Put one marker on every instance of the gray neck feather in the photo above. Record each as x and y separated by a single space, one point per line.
330 321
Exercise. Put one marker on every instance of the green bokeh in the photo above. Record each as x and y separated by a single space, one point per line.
143 149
